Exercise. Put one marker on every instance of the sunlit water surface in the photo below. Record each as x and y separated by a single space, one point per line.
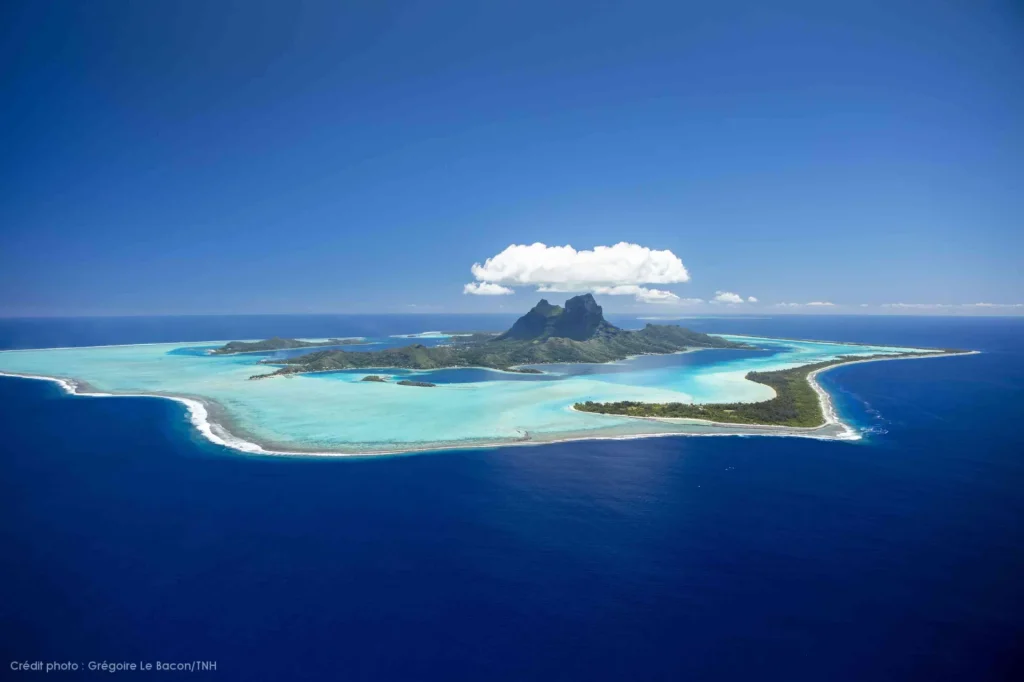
338 412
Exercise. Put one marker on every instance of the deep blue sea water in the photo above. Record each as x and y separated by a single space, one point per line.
899 557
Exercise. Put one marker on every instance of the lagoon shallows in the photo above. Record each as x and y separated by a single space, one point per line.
338 413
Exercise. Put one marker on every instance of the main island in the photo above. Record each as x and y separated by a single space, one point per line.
546 334
558 373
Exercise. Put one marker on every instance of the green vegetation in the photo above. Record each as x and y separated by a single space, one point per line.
507 355
795 403
532 340
426 384
580 320
277 343
374 377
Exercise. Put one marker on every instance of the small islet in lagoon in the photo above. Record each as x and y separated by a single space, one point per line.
559 373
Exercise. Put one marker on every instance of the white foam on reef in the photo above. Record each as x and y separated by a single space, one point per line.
336 417
828 407
215 433
197 414
183 344
770 339
345 338
427 335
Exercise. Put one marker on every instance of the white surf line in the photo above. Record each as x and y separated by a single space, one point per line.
828 409
212 351
189 344
219 435
825 399
197 413
755 429
186 344
909 349
432 335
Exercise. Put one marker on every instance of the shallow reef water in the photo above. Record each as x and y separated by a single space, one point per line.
338 412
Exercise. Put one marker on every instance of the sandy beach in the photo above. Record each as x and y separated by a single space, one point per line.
200 415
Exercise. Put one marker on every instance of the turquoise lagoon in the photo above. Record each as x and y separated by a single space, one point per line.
337 413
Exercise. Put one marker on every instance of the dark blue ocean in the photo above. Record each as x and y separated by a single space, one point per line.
127 537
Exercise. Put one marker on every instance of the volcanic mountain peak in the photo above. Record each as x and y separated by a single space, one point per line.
580 319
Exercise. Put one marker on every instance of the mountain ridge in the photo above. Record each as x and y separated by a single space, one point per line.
546 334
580 320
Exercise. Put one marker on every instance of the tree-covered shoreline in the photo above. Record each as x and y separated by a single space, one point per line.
547 334
278 343
796 403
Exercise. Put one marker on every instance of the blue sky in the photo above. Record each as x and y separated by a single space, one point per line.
188 157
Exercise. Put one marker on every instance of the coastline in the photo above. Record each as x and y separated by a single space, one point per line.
828 408
188 344
199 415
828 411
832 343
197 409
356 341
513 369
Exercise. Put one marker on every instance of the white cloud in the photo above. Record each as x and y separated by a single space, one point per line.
563 268
617 270
727 297
655 296
486 289
642 294
996 305
731 298
821 303
864 305
801 305
916 305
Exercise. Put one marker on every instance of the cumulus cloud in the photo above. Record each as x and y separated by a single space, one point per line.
732 298
486 289
996 305
801 305
821 303
727 297
642 294
605 269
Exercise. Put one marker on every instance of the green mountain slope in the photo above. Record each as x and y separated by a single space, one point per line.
547 334
277 343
